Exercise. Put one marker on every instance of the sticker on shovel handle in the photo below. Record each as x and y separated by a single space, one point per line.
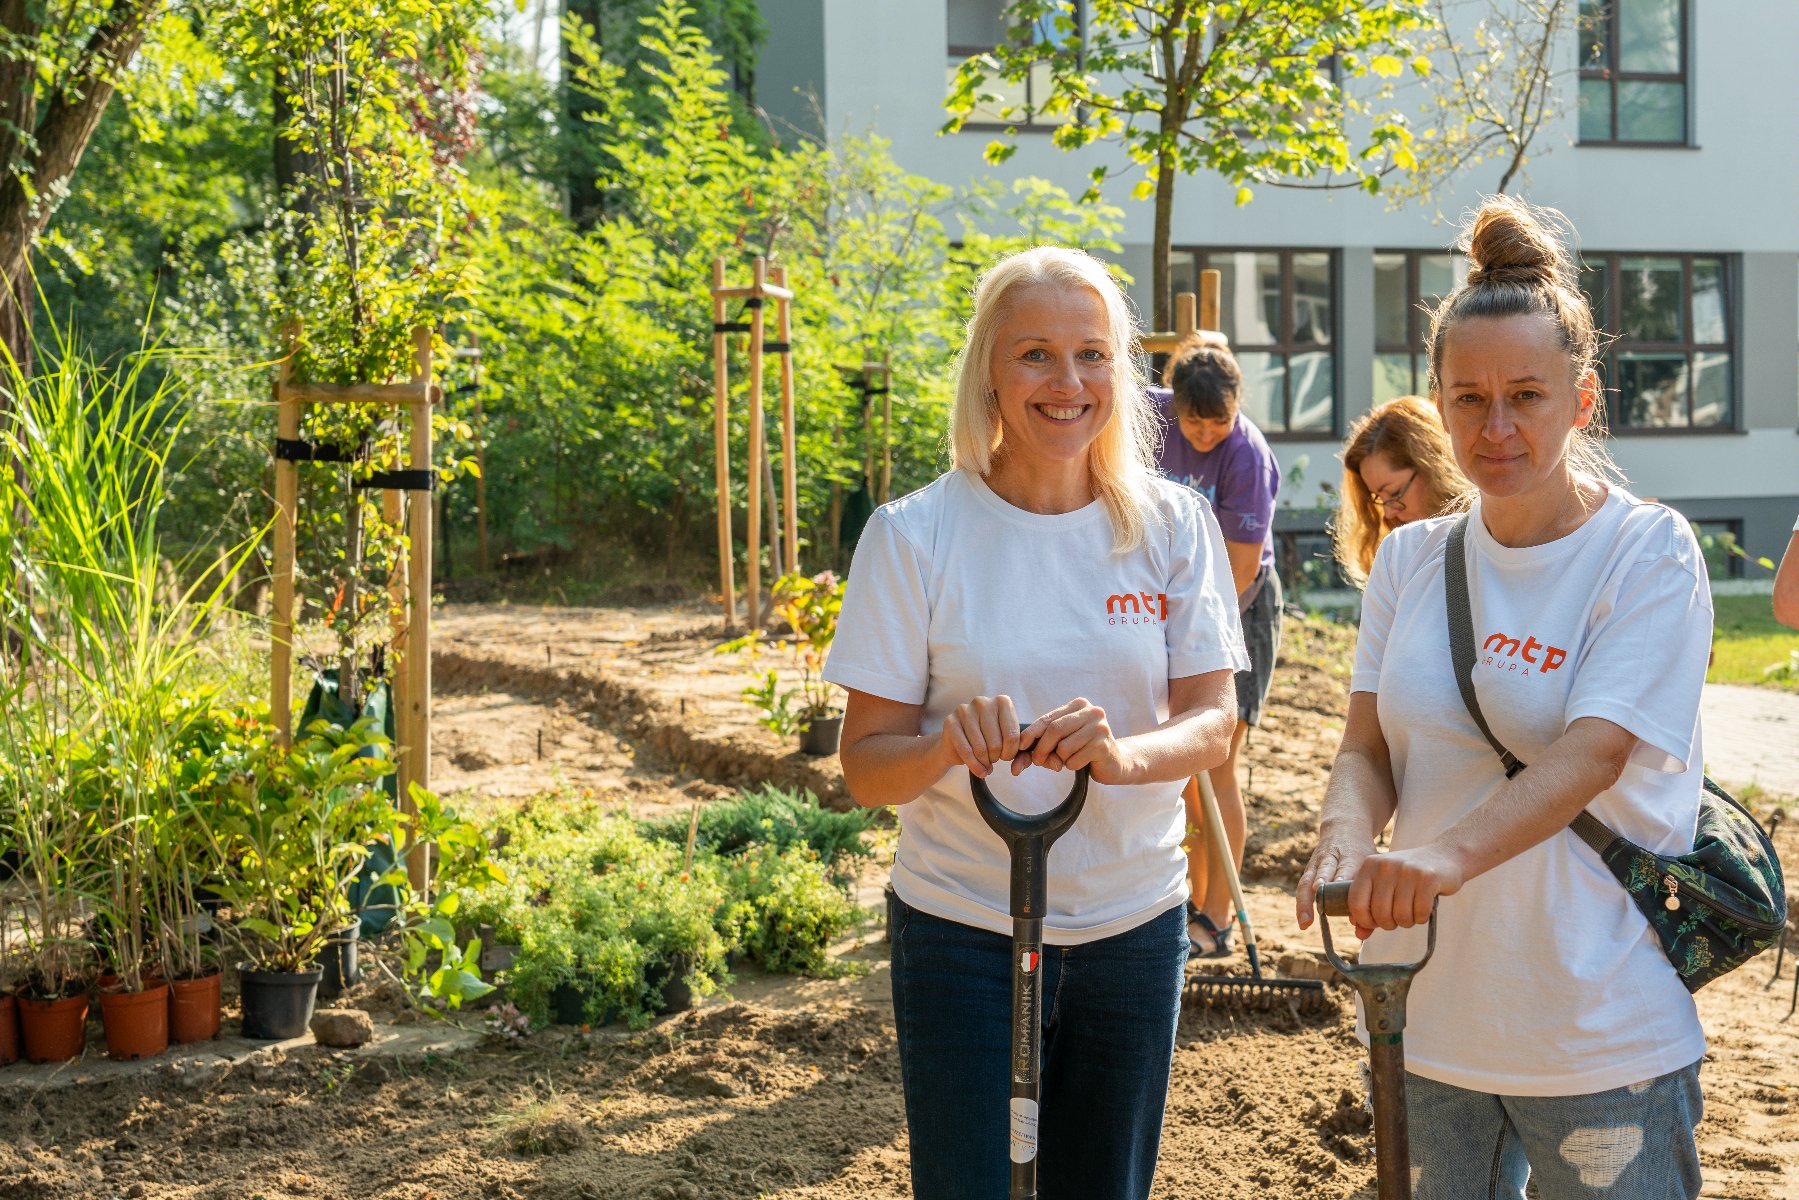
1024 1129
1028 960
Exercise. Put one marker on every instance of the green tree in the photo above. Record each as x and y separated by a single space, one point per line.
59 66
1493 88
1246 89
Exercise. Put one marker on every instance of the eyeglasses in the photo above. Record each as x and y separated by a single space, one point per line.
1397 498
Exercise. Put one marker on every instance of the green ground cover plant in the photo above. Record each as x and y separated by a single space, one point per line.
613 908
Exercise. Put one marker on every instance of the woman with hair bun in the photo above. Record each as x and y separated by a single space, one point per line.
1051 603
1397 468
1550 1041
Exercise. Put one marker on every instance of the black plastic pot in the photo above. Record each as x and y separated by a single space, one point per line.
669 980
277 1004
568 1005
822 736
341 969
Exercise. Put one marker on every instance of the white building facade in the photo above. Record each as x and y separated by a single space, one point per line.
1679 166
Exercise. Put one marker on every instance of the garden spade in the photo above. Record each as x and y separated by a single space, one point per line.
1383 988
1029 839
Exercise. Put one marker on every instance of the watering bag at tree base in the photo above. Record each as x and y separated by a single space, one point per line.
374 905
1712 909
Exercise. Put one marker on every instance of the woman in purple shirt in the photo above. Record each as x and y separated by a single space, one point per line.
1209 445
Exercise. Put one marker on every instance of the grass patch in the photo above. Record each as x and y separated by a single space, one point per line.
1747 641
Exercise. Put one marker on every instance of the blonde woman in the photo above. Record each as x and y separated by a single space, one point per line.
1549 1041
1052 604
1397 468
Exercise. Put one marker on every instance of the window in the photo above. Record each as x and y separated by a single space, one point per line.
1718 540
1670 365
1308 561
1633 72
1278 308
1408 286
977 26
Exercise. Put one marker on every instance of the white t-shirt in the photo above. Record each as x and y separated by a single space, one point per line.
953 594
1547 980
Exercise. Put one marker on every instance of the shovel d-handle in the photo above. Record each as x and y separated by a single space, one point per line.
1383 988
1028 838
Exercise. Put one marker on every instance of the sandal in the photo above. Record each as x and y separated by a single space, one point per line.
1208 941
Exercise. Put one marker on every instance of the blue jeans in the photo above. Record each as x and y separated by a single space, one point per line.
1109 1014
1631 1143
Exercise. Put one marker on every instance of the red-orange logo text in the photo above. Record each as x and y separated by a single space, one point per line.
1138 608
1501 646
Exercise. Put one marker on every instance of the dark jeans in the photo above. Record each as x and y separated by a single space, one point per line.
1109 1014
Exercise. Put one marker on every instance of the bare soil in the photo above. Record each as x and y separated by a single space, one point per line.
786 1087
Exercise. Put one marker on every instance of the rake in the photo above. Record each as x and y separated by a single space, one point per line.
1255 991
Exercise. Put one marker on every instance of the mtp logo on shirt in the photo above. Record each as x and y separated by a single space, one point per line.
1498 646
1136 608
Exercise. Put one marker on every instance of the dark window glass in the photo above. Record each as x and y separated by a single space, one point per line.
1278 308
1669 363
976 27
1408 287
1633 71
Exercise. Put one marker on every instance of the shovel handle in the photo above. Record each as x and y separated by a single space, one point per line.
1016 826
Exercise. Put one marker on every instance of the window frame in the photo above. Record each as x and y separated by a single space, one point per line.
1285 346
1417 320
1615 342
958 53
1735 565
1612 75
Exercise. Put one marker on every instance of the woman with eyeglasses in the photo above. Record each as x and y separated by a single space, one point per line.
1397 468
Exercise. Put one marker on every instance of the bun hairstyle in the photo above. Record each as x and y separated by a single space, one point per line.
1205 380
1519 264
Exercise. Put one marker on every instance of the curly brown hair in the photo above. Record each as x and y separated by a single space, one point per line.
1204 378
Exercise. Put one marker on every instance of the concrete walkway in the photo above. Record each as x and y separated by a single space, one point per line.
1752 736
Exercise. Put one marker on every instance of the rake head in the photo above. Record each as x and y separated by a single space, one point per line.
1256 993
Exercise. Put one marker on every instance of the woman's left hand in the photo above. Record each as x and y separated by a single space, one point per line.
1397 890
1071 736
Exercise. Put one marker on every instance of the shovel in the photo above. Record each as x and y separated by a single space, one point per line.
1029 840
1383 988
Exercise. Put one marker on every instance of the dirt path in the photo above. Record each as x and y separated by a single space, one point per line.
789 1087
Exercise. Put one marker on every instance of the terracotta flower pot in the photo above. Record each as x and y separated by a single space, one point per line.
55 1030
9 1029
136 1023
194 1008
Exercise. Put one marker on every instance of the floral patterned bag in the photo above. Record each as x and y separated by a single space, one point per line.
1714 908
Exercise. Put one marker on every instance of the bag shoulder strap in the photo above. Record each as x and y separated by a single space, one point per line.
1461 655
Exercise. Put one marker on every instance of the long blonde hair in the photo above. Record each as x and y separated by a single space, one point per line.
1407 432
1122 455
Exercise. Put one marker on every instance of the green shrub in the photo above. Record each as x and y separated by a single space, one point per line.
781 818
785 912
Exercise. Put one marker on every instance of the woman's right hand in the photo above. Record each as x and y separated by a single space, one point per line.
980 734
1338 856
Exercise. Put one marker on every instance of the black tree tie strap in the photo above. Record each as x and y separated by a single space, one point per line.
401 481
302 450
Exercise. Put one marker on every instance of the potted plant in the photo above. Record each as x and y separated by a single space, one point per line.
809 605
11 1046
56 963
299 823
189 859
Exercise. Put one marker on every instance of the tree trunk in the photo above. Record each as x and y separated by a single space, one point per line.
1159 252
57 143
581 179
